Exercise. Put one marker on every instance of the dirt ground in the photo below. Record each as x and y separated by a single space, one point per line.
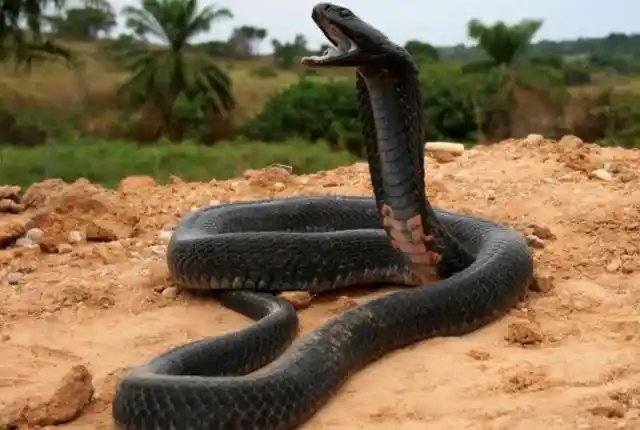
84 296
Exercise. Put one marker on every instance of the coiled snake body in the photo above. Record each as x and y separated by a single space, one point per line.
250 250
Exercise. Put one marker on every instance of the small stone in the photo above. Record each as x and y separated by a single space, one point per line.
165 235
524 334
34 234
75 236
570 140
175 180
170 292
602 174
14 278
131 183
64 248
534 139
534 241
279 186
542 282
299 299
24 242
613 266
104 230
543 232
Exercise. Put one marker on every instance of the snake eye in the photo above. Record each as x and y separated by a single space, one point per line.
345 13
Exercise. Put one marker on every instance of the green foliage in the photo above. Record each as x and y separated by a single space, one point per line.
320 110
286 54
108 162
421 51
310 110
83 23
165 78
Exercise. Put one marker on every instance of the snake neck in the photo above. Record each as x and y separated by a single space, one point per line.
392 117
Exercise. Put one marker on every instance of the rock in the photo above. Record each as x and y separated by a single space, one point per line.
613 266
170 292
10 192
602 174
65 405
271 177
14 278
534 241
34 234
24 242
543 232
534 139
542 282
9 206
450 147
65 248
103 230
165 235
133 183
524 334
75 236
175 180
299 299
570 140
10 231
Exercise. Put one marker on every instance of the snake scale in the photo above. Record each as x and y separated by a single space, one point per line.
254 379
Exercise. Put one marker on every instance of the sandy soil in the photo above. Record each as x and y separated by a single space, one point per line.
94 292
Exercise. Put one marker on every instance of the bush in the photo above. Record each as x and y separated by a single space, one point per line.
328 110
107 162
310 110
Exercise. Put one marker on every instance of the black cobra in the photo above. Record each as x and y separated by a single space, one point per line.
249 250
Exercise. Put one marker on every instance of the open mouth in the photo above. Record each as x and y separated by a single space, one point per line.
341 46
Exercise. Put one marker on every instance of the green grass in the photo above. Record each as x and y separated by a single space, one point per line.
107 162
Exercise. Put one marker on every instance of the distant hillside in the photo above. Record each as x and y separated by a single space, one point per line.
614 45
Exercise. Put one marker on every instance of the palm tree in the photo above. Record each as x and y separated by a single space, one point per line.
506 47
169 78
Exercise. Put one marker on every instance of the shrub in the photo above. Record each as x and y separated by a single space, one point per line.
328 110
310 110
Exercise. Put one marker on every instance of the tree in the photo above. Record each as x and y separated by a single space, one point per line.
422 51
83 23
182 87
285 54
21 39
506 47
245 41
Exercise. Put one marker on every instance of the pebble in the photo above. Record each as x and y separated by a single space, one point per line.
534 241
602 174
14 278
75 236
534 139
170 292
165 235
34 235
64 248
24 242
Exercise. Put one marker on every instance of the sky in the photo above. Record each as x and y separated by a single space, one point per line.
441 23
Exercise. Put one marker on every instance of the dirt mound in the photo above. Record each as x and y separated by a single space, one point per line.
85 295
